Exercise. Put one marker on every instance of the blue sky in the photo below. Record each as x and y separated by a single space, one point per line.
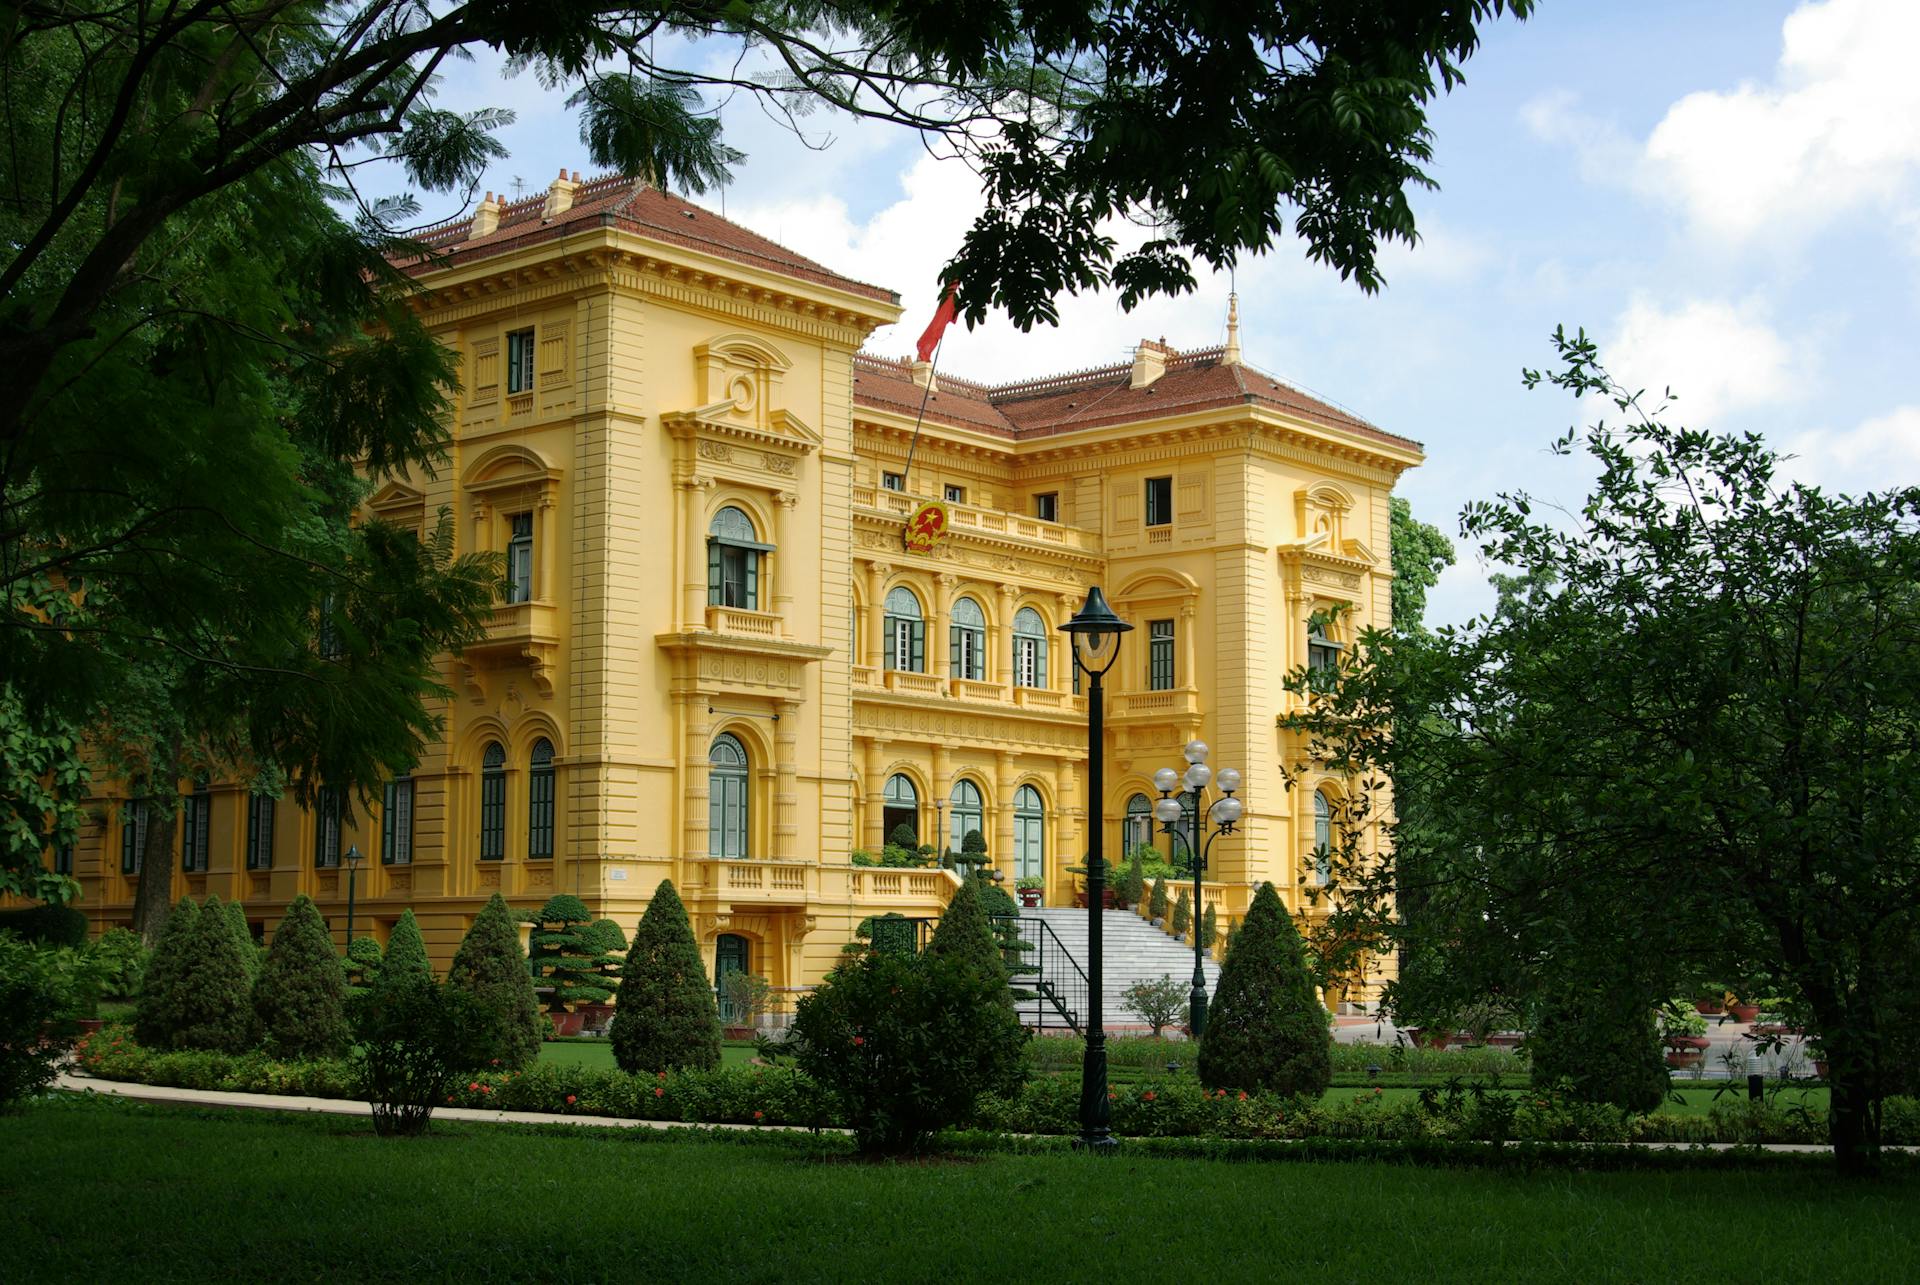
1725 192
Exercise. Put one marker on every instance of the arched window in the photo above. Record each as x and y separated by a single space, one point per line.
540 800
733 560
493 802
964 813
906 632
1322 838
902 806
727 798
969 640
1029 833
1139 824
1029 649
1323 654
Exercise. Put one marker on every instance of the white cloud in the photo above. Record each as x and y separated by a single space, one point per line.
1833 132
1877 453
1717 357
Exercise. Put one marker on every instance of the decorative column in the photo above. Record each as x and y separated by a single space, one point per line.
543 542
693 614
693 841
1188 676
1003 786
482 513
1071 811
877 573
786 776
999 639
782 600
942 792
940 649
876 827
1060 653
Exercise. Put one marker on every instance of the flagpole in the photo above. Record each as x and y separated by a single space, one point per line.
906 470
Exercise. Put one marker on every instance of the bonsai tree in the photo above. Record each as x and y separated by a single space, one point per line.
566 954
212 992
406 951
157 1015
1157 906
904 836
491 967
1182 914
612 944
363 961
1158 1002
301 994
1265 1029
665 1017
1003 920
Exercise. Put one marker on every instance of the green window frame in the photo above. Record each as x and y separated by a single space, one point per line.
1160 673
396 823
729 817
540 800
734 550
196 814
1029 649
260 816
327 811
493 802
967 653
520 558
133 836
519 360
965 812
1159 501
906 641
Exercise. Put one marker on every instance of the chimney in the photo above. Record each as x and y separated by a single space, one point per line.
922 372
486 218
1231 356
1149 362
560 196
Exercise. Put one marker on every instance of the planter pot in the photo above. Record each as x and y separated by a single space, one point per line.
596 1017
1685 1059
1426 1039
566 1024
88 1025
1709 1007
1744 1012
1687 1043
1160 923
1505 1039
1030 897
1820 1068
1774 1028
737 1032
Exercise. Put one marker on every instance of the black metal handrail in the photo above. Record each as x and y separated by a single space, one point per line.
1042 963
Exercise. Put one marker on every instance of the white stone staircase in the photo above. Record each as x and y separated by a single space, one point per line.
1132 949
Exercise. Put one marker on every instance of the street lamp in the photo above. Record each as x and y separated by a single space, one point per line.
1096 642
1223 818
353 868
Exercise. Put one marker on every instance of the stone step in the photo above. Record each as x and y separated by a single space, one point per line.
1132 950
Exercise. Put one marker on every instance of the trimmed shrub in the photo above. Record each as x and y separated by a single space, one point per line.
123 963
1134 881
665 1017
565 954
1159 1003
243 936
1599 1044
903 836
964 934
157 1015
1265 1029
37 998
908 1044
406 951
1207 929
1182 914
212 995
46 925
491 967
612 945
414 1039
1157 903
300 997
362 964
973 844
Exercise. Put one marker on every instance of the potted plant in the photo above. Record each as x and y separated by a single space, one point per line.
1029 888
1684 1032
747 997
1710 1000
567 956
1741 1010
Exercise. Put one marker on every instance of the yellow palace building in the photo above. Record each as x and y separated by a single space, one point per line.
716 661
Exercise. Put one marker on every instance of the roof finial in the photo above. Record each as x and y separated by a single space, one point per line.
1231 355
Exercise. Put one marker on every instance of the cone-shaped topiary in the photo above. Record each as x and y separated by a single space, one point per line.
973 844
406 951
1136 876
965 934
1157 904
1265 1029
1599 1040
491 967
214 986
250 951
665 1018
300 997
1182 914
1207 929
565 954
157 1014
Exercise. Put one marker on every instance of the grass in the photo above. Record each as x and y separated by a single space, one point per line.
102 1191
597 1055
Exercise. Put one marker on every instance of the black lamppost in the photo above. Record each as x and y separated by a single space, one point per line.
1222 818
1096 642
353 869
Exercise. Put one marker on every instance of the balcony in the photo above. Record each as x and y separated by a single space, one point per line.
1039 698
753 881
515 623
967 518
969 689
745 623
1179 702
903 683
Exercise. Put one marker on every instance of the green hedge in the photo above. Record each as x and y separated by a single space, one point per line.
1165 1107
1064 1052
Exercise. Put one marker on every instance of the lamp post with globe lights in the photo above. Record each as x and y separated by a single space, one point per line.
1223 818
1095 632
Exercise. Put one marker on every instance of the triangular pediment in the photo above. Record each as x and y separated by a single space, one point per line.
395 496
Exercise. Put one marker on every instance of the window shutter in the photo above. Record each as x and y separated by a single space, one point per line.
892 643
713 573
1040 663
386 826
752 559
957 660
919 647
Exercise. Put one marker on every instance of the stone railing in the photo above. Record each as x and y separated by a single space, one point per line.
1177 702
739 620
971 689
905 682
995 522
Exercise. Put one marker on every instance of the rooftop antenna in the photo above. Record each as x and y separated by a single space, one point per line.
519 187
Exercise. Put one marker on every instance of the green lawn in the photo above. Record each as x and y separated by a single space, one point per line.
106 1191
598 1054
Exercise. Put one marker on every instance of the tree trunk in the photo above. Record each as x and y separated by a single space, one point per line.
154 899
1853 1117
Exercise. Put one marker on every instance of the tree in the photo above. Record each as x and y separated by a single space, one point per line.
665 1018
1597 1036
243 937
363 961
1182 914
38 1003
414 1039
1680 750
406 951
1207 929
1265 1028
212 989
491 967
1420 552
157 1015
1136 875
1157 906
300 997
1158 1002
566 952
964 934
612 944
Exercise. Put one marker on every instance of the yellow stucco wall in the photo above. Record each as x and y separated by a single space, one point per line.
670 383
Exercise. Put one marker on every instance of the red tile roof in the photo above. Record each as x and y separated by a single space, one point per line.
1036 408
617 201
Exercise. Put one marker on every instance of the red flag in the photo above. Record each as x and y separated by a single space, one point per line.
942 318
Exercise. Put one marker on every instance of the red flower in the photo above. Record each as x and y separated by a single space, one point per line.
495 1062
473 1086
486 1088
659 1093
1243 1094
859 1039
1113 1097
1378 1091
661 1076
571 1099
1147 1096
449 1097
759 1115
